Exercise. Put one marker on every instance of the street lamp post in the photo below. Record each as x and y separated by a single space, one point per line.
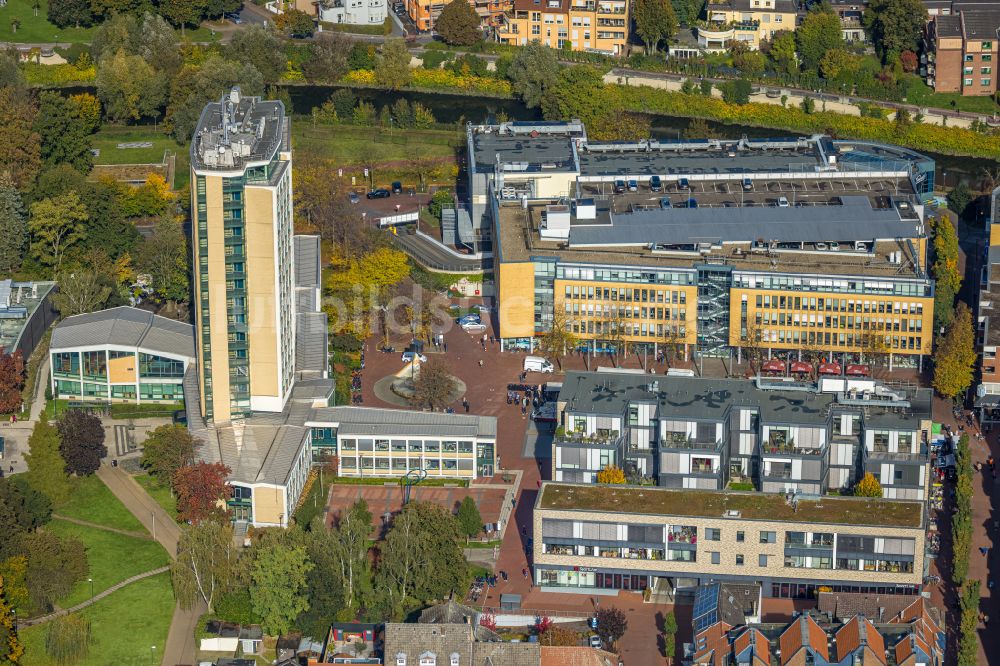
91 581
152 654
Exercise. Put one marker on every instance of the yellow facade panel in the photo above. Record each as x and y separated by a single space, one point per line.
122 370
261 302
218 315
516 284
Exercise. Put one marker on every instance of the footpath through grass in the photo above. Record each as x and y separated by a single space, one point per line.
125 626
108 138
112 558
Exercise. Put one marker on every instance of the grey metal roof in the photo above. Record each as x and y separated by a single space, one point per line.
374 420
311 342
856 219
700 162
709 399
127 327
545 149
307 261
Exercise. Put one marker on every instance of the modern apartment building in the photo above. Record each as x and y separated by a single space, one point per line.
802 438
26 312
747 21
121 354
961 48
424 13
773 247
601 539
241 198
393 442
601 26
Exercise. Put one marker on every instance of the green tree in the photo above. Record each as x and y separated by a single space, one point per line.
164 256
669 634
895 26
117 33
736 91
207 564
196 85
818 33
750 63
687 11
959 198
325 582
65 135
327 61
469 520
968 642
559 340
46 467
948 279
421 556
654 21
55 565
82 290
392 65
458 24
216 8
11 648
532 72
13 226
576 93
782 53
183 12
955 356
258 46
66 13
29 507
81 442
839 64
166 450
278 592
20 158
129 87
350 534
56 224
68 639
868 486
11 75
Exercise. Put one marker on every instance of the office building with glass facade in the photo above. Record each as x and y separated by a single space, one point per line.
785 248
393 442
123 354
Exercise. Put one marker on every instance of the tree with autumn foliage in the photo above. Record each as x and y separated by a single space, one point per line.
869 486
543 625
488 620
201 492
955 355
11 381
557 636
81 442
611 474
11 648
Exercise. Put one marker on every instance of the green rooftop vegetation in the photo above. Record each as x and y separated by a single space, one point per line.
750 505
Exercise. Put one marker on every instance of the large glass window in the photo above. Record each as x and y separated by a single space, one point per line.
151 365
123 392
66 363
95 365
67 388
171 392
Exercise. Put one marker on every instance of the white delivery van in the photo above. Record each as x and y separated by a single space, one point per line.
537 364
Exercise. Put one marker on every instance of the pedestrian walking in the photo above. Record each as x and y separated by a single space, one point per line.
445 344
523 410
481 363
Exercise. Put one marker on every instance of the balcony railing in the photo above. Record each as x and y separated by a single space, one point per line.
609 438
677 440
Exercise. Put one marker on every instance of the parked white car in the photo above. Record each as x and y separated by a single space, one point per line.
409 357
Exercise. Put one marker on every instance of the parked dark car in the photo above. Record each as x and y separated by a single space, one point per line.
620 187
397 187
655 184
380 193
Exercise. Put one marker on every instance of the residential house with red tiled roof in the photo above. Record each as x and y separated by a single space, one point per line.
858 643
925 644
751 648
803 642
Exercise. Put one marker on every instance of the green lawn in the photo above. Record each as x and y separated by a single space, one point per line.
917 92
158 492
92 501
35 29
350 144
112 558
108 138
124 627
